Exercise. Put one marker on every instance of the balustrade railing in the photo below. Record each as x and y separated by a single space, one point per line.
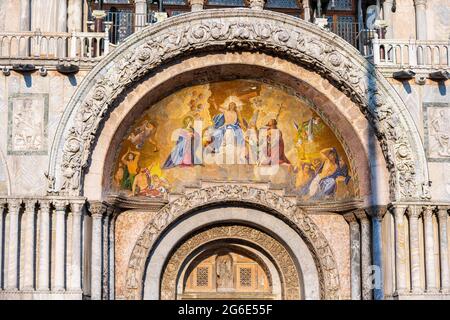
411 53
51 45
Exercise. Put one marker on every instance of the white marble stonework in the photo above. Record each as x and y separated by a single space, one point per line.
65 233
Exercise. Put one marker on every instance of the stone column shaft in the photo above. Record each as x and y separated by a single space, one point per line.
430 272
25 15
60 248
355 256
2 239
44 247
413 214
29 245
443 245
387 12
112 256
421 19
75 12
400 253
13 245
76 208
62 16
365 255
141 14
97 211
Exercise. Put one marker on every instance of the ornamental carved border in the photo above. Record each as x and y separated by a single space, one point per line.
281 257
231 30
219 195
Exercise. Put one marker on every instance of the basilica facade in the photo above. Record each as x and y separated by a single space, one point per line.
224 149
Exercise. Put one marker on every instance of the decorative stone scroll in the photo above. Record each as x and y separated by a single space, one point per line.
268 201
282 258
231 30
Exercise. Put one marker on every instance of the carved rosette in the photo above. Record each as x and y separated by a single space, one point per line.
289 273
253 30
287 210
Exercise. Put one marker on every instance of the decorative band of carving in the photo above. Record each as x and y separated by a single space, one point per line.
289 273
268 201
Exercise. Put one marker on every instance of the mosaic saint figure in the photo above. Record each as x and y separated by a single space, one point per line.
275 145
331 167
130 161
142 134
183 154
141 182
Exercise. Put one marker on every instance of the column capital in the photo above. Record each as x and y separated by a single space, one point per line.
413 212
14 205
427 211
60 205
76 206
350 217
97 209
419 3
376 212
44 204
362 216
398 210
196 5
29 204
443 211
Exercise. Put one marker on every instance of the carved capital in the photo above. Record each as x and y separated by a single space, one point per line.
60 205
97 209
44 206
413 212
14 206
443 212
427 212
420 3
196 5
350 218
30 205
76 207
376 212
362 216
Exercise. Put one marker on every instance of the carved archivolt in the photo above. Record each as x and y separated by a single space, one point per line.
232 30
289 273
268 201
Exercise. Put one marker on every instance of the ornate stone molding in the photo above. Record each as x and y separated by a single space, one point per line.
281 257
266 200
237 30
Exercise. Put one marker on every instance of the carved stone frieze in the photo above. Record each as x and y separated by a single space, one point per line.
282 258
268 201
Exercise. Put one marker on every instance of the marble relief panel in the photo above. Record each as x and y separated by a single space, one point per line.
437 131
27 124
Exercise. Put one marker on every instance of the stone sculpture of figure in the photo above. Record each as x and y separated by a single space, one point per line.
224 272
28 128
441 129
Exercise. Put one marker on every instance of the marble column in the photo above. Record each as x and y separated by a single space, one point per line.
421 19
376 214
141 14
413 214
443 247
400 243
387 16
25 19
97 210
44 246
196 5
2 239
105 256
60 245
355 256
28 264
77 209
365 255
430 271
75 15
14 206
62 16
112 282
306 9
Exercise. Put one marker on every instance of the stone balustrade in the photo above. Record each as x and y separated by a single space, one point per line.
411 53
40 47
